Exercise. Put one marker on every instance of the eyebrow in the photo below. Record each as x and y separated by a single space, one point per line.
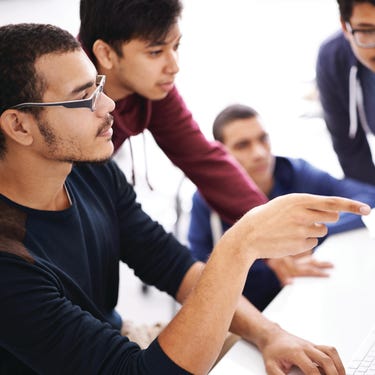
155 43
365 24
83 87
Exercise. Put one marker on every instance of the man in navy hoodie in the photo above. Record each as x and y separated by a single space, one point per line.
345 75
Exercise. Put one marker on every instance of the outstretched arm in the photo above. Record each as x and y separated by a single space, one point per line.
287 225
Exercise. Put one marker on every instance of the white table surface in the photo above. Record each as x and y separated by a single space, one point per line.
337 311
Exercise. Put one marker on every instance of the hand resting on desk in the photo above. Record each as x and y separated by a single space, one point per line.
289 267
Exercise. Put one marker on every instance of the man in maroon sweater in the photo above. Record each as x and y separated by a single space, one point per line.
135 44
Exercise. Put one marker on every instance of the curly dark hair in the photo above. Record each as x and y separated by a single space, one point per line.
20 46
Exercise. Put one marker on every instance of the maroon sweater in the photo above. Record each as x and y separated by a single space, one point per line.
224 185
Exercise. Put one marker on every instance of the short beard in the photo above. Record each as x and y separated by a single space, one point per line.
52 141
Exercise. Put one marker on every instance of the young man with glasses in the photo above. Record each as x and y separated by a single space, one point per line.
345 74
68 217
135 44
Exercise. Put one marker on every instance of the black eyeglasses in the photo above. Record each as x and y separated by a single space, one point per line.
364 38
81 103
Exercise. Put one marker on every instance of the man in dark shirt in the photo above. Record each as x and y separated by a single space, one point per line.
68 217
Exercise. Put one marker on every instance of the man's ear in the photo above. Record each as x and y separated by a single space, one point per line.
104 54
343 27
17 126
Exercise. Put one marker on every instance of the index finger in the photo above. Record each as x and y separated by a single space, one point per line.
340 204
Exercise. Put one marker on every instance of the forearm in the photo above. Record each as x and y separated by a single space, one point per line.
248 322
251 324
204 319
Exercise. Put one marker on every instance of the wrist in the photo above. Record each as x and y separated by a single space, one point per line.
266 335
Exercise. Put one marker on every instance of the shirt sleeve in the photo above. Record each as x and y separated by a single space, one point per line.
156 256
220 179
50 335
332 74
199 233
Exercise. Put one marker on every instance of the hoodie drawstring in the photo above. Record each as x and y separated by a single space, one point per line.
145 159
356 103
353 102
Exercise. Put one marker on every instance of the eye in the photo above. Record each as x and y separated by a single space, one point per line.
176 46
242 145
88 93
367 31
264 138
155 53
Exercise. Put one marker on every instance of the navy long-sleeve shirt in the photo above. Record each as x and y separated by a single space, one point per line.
290 176
59 276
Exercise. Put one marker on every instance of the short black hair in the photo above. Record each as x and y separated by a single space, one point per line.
20 46
228 115
119 21
346 7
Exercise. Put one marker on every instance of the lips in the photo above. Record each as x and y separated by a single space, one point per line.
106 129
260 168
167 86
107 132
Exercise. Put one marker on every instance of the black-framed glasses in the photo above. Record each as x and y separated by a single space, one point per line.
81 103
364 38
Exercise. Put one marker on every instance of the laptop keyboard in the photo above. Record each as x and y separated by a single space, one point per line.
363 362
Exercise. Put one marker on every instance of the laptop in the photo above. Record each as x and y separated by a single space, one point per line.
363 361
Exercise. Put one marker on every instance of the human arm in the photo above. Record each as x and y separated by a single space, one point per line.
38 316
261 283
216 174
334 62
206 314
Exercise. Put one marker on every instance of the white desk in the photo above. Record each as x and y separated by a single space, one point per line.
336 311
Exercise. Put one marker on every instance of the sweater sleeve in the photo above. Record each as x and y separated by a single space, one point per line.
50 335
156 256
219 178
332 74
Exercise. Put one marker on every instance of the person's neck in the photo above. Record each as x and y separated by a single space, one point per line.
37 188
266 186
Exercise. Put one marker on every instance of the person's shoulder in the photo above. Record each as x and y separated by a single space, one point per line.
297 164
335 47
333 40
